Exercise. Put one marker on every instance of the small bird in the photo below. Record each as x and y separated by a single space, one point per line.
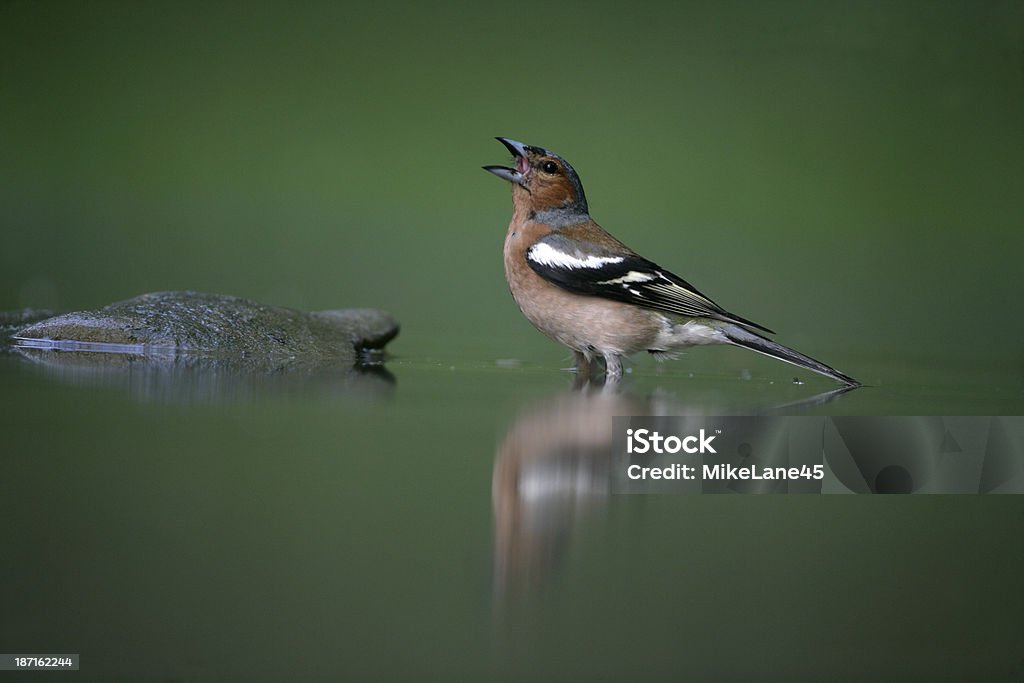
588 291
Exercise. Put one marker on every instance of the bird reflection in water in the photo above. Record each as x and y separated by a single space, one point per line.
553 470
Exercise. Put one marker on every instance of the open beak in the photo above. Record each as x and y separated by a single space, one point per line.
518 174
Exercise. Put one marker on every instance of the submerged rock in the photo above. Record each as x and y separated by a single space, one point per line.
170 325
194 379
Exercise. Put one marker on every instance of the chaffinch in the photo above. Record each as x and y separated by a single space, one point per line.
590 292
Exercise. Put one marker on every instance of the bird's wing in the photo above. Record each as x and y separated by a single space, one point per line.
599 270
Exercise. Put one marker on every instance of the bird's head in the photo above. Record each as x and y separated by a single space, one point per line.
542 182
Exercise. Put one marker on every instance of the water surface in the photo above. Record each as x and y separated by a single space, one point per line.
351 525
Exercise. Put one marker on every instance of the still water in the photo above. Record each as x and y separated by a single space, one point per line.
192 524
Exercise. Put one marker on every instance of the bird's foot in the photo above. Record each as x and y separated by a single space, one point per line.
612 369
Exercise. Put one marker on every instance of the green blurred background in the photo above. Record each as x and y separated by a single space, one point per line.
849 174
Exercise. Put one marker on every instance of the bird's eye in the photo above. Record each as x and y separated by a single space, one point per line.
549 167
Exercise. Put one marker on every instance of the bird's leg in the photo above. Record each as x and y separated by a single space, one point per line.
612 368
582 365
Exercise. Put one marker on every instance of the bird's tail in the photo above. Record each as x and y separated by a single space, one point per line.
755 342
